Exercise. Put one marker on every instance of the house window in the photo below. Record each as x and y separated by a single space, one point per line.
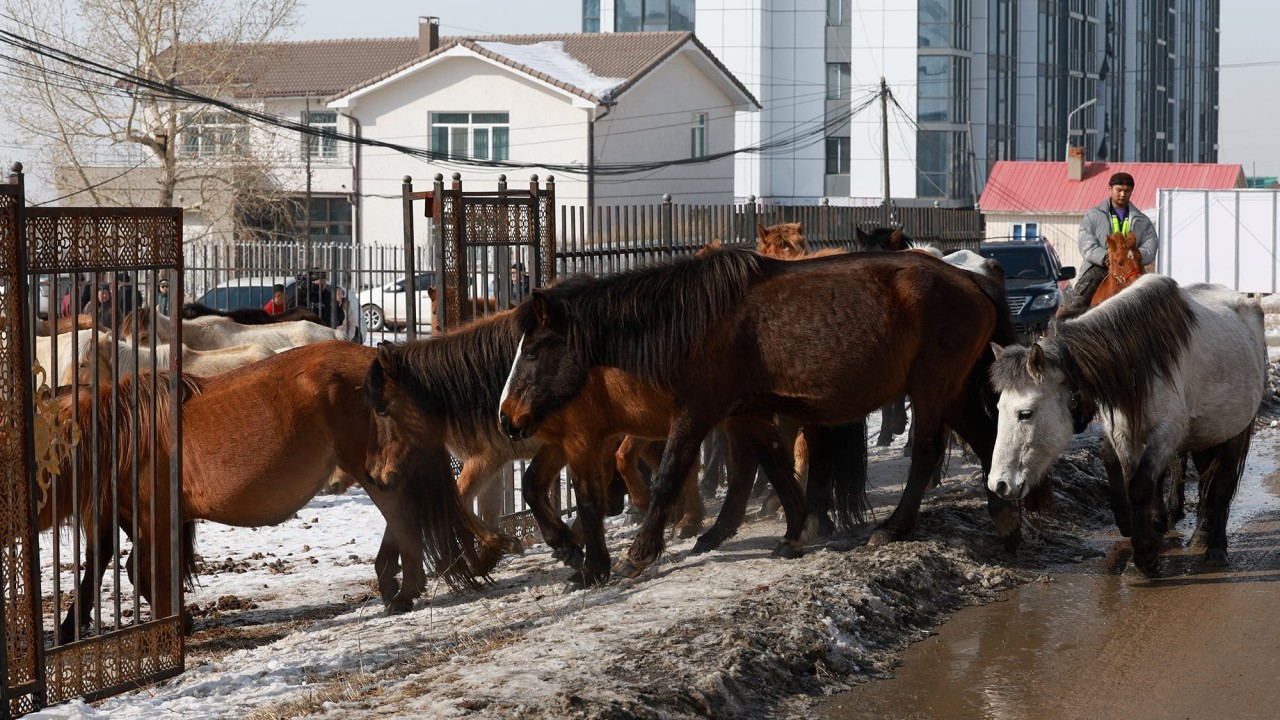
590 16
838 12
698 136
477 135
838 84
1029 232
1017 232
652 15
330 219
323 148
1033 231
213 133
837 156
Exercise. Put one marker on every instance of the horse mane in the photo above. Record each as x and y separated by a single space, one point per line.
647 320
884 239
141 412
461 373
1115 351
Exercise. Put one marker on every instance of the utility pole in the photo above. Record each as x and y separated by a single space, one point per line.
884 144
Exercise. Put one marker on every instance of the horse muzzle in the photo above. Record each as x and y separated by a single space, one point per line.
1009 487
512 429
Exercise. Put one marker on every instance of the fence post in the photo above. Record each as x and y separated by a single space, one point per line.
440 310
824 220
749 232
667 236
411 312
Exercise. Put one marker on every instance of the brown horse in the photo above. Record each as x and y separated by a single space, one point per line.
456 379
258 443
67 323
1124 265
735 333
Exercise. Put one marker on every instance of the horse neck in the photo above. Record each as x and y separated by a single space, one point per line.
462 372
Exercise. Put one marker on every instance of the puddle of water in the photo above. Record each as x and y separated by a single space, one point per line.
1098 643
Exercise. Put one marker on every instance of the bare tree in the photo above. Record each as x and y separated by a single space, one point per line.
122 145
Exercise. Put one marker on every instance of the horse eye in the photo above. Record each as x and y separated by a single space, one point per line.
1024 414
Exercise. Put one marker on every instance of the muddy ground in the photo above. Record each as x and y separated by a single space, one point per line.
733 633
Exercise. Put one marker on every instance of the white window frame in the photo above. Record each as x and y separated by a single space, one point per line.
477 129
698 135
322 149
214 134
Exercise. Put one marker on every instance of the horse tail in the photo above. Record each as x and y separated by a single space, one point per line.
188 541
450 534
838 460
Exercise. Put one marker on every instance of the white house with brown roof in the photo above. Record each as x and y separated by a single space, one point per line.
581 107
616 119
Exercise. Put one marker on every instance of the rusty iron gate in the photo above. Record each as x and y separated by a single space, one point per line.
490 246
73 448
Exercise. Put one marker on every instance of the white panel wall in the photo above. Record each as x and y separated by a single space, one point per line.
885 38
1223 236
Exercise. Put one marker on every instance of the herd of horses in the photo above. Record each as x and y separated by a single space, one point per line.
779 351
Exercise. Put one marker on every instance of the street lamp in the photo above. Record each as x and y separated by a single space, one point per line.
1071 114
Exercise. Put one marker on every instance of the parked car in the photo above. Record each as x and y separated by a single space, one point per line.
1035 281
387 307
256 291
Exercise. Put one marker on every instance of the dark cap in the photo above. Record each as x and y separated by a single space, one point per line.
1121 178
104 286
517 266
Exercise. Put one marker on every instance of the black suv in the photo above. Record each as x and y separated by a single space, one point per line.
1035 281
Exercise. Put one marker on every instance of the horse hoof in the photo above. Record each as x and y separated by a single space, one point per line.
585 579
399 607
573 556
825 527
511 544
623 567
885 536
1012 540
1215 557
687 531
787 551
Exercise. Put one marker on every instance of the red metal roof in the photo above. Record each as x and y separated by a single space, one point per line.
1016 186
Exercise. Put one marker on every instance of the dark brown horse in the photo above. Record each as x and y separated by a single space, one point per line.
258 443
455 380
735 333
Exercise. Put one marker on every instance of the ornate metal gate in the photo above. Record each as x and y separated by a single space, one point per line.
490 246
119 640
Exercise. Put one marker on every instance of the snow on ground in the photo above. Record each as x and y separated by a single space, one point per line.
288 625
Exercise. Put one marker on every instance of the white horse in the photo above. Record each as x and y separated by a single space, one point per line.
212 332
127 360
1173 370
69 350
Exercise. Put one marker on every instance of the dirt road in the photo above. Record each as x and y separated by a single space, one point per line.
1091 642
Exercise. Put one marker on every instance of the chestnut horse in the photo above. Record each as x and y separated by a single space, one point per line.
734 333
258 443
1124 265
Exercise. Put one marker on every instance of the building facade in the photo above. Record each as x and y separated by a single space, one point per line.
971 82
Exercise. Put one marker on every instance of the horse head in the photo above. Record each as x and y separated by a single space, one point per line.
1037 414
784 240
398 425
547 372
1124 260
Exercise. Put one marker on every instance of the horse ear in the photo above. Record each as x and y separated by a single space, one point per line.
760 231
386 358
997 350
862 237
896 238
431 293
541 305
1037 364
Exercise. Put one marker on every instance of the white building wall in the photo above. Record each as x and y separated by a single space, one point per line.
652 120
328 177
544 126
884 44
